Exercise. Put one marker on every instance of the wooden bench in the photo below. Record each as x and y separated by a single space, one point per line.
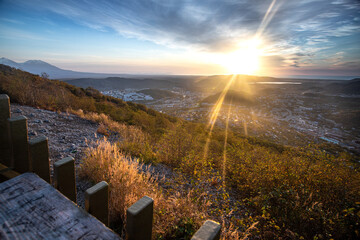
30 208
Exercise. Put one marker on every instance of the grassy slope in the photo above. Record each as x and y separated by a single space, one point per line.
284 192
29 89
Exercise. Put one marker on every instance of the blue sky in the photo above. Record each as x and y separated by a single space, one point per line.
307 37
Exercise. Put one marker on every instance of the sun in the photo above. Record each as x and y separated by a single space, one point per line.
244 60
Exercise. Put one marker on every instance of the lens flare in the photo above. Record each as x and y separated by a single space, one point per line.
225 144
244 60
215 112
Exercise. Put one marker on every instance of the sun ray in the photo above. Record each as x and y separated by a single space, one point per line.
225 143
270 13
215 112
245 128
245 60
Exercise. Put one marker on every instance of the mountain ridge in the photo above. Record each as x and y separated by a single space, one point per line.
38 67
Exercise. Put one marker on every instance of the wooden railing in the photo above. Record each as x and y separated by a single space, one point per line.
19 155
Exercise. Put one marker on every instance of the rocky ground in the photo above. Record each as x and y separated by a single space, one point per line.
68 135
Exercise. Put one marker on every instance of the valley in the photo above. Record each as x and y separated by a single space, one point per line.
291 112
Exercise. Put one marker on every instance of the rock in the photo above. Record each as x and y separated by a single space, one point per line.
32 133
37 121
46 121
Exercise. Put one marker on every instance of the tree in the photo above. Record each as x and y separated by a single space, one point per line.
45 75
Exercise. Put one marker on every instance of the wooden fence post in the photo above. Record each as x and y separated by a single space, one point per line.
64 177
210 230
97 201
5 150
139 219
39 157
6 173
19 144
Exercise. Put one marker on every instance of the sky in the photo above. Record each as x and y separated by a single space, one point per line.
259 37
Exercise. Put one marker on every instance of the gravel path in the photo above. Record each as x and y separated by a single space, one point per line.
67 136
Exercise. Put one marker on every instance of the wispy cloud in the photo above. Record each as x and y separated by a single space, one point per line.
289 27
15 34
207 24
11 20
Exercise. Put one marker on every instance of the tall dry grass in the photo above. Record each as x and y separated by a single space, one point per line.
174 215
127 132
132 139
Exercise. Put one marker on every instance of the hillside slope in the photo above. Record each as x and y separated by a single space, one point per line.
351 87
29 89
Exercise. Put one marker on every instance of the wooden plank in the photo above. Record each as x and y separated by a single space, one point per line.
5 150
210 230
139 219
19 143
30 208
64 177
97 201
7 173
39 157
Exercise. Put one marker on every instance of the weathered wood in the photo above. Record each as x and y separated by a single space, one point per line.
139 219
210 230
64 177
39 157
6 173
30 208
19 144
97 201
5 153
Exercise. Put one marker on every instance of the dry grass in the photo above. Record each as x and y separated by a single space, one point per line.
107 125
128 183
133 140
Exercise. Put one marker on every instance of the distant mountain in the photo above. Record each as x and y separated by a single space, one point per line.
10 63
351 87
38 67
